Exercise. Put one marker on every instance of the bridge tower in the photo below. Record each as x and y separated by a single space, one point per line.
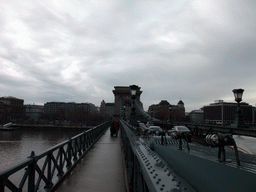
123 98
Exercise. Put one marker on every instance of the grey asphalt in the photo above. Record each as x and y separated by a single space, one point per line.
101 169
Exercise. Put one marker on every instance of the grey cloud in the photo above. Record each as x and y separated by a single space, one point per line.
194 50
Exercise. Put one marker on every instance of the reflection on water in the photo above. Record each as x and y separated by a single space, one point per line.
17 145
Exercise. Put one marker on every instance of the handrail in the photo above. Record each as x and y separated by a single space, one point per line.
51 166
145 170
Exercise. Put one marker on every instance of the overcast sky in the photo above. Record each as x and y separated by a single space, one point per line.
78 50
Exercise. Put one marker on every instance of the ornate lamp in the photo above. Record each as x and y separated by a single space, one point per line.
133 91
133 96
151 114
170 115
238 93
124 108
238 123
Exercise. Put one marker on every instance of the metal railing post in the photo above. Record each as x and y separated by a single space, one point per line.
31 175
75 149
69 153
49 170
1 184
60 173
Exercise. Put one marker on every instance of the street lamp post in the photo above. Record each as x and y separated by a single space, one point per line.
238 123
170 115
133 96
124 108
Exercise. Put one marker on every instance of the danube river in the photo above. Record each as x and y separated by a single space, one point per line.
17 145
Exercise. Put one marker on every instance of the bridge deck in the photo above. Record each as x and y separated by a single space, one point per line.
100 170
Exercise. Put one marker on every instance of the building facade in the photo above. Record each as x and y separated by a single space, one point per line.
107 108
162 111
11 109
178 111
34 112
71 110
254 115
196 116
223 113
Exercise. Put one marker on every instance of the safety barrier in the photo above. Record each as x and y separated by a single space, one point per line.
145 170
157 164
46 170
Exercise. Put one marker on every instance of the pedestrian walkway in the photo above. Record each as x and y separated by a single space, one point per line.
101 169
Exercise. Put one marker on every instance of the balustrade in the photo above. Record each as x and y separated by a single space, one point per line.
46 170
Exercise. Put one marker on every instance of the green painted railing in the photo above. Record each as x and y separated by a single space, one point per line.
45 171
145 170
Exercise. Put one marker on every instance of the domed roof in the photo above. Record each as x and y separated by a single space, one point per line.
180 102
164 102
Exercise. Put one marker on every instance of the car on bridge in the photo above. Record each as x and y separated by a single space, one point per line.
143 126
150 123
178 131
155 129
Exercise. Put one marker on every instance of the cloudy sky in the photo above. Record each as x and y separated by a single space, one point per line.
78 50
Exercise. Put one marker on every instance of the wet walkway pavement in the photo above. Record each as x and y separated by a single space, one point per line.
101 169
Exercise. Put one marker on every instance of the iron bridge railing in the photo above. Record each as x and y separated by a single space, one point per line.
146 170
45 171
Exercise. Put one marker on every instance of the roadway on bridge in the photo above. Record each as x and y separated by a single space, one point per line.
101 169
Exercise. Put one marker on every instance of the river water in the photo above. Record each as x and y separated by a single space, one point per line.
17 145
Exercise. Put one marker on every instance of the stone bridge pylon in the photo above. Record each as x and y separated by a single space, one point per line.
123 102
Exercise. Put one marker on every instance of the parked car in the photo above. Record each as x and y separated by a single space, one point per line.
180 129
177 131
143 126
150 123
155 129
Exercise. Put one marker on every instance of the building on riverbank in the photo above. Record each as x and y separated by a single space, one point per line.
196 116
164 108
11 109
63 110
223 113
107 108
34 112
